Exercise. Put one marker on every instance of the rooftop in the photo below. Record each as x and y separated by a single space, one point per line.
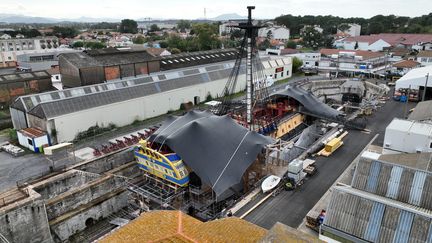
393 38
425 54
365 54
21 77
175 226
422 112
32 132
406 64
422 161
56 103
412 127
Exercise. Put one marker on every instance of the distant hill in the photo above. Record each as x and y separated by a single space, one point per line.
228 17
13 18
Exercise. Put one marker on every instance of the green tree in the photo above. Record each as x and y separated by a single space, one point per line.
356 46
163 44
291 44
154 28
375 28
139 40
312 38
64 32
175 51
296 64
207 36
343 27
182 25
78 44
94 45
269 35
128 26
236 34
264 45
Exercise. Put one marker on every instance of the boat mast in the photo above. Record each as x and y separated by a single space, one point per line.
249 80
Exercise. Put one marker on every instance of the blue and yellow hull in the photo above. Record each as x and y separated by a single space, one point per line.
168 167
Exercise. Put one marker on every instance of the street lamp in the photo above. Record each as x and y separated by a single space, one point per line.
425 87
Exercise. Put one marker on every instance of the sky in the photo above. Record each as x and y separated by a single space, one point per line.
193 9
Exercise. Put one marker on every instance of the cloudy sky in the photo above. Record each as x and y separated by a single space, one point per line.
192 9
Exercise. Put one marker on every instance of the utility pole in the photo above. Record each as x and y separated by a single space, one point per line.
425 87
249 68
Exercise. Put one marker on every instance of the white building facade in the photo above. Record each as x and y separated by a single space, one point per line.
354 30
277 33
121 102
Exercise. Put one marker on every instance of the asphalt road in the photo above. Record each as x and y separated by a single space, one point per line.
290 207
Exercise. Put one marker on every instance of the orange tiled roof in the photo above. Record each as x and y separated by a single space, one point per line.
406 64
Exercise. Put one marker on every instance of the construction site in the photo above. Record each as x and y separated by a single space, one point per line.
209 163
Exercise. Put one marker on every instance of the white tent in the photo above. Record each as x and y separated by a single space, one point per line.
416 78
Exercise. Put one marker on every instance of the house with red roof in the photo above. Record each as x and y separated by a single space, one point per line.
378 42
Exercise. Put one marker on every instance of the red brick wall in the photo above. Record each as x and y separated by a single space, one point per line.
112 72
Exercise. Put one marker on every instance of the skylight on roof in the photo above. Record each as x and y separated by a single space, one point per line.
222 54
203 57
187 59
207 56
164 62
216 55
170 61
198 58
192 58
175 60
182 60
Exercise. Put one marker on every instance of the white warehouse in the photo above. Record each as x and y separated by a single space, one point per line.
404 136
63 114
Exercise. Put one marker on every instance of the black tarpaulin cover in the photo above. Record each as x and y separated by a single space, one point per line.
216 148
309 101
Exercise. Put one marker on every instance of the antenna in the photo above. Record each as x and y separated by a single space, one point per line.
205 13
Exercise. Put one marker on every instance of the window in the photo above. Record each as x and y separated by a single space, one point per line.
281 74
287 73
430 146
30 142
275 75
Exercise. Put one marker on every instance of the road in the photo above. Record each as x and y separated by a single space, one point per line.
290 207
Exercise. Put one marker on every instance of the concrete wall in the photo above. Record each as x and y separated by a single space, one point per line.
25 221
79 196
64 182
63 230
107 163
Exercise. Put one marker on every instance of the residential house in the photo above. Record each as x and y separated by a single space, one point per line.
424 58
402 67
379 42
279 33
5 37
354 30
19 36
315 27
158 52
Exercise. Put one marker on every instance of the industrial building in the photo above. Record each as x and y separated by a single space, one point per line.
98 66
14 85
40 61
386 202
404 136
66 113
417 79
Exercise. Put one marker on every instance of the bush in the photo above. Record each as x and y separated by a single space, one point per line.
94 130
13 135
208 97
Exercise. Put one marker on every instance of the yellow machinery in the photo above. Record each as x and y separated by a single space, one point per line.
332 145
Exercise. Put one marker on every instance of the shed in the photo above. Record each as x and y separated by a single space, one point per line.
33 139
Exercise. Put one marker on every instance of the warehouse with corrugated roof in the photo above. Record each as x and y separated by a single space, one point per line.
63 114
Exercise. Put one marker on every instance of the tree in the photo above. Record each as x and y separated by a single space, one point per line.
64 32
356 46
182 25
236 34
78 44
312 38
128 26
291 44
375 28
206 36
296 64
269 35
163 44
139 40
94 45
175 51
154 28
264 45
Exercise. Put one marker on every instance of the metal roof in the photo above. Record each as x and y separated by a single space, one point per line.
375 218
57 103
422 112
395 181
21 77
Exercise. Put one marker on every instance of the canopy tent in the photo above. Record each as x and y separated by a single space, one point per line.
415 78
216 148
309 101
